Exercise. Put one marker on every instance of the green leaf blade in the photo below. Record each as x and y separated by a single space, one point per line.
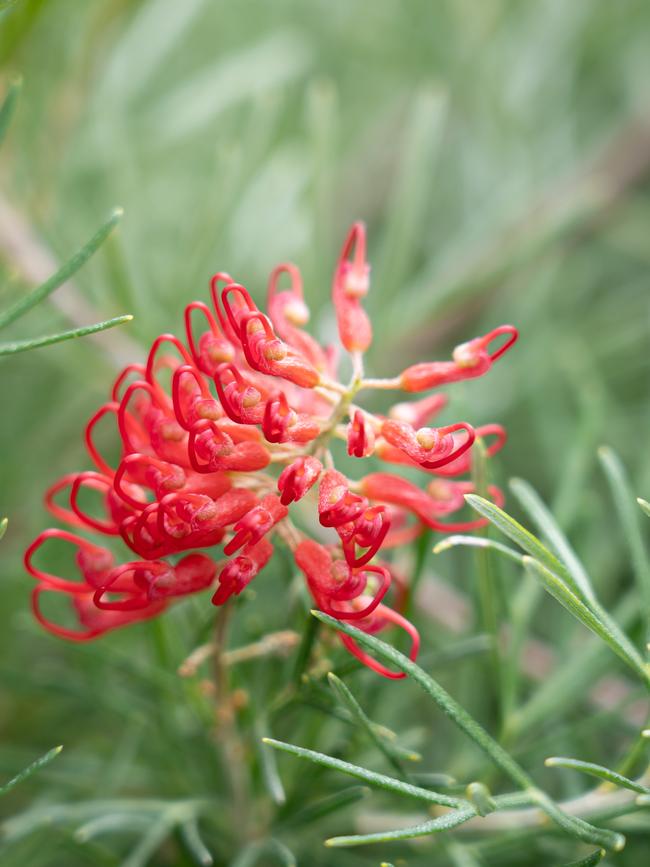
31 769
50 339
443 823
598 771
371 777
628 516
74 263
575 606
575 827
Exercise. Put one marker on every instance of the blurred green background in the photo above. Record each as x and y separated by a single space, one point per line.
500 155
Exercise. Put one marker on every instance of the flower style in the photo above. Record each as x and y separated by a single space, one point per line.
224 445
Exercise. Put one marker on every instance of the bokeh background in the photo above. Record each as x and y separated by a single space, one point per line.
500 155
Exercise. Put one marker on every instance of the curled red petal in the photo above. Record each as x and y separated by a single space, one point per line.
93 562
470 360
336 503
298 478
240 571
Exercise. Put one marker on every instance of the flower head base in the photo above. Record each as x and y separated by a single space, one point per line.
221 436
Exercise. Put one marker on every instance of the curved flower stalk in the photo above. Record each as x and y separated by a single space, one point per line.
220 436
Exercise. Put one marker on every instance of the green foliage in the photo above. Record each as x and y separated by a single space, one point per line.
36 296
31 769
64 273
49 339
597 771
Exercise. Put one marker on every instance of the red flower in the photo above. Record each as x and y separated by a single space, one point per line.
208 431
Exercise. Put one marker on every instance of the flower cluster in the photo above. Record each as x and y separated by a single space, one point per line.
222 435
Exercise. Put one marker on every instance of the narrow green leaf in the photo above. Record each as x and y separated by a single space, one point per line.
562 576
558 589
597 771
589 861
4 523
477 542
447 704
149 843
269 768
522 537
547 525
434 826
31 769
623 497
487 595
350 702
645 505
532 502
48 340
467 724
8 106
64 273
192 838
379 780
284 855
112 823
255 851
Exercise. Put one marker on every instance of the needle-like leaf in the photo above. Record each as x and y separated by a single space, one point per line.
597 771
559 581
477 542
452 709
522 537
31 769
192 838
548 526
629 518
64 273
350 702
381 781
442 823
49 339
558 589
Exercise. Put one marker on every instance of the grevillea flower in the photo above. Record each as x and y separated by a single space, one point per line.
224 443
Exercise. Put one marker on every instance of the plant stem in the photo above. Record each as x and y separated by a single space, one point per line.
227 734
